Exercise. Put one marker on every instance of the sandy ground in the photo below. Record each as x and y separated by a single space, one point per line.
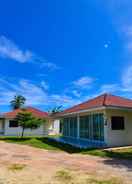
40 166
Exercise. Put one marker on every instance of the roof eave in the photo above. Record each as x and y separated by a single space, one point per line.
83 111
110 107
95 109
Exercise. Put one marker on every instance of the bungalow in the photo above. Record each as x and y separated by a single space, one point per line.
103 121
9 127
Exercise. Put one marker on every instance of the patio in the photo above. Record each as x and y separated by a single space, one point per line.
80 143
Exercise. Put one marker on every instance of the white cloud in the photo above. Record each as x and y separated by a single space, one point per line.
44 85
10 50
127 79
76 93
50 65
109 88
60 98
64 100
77 89
35 94
126 33
83 82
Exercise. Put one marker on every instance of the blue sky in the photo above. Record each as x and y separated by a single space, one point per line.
58 52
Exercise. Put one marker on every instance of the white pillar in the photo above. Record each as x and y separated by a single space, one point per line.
106 127
78 127
92 129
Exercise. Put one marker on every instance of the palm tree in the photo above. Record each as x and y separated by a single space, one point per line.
18 101
56 109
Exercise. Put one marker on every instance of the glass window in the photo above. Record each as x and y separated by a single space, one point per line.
117 123
101 121
85 127
70 126
96 130
13 124
92 127
98 127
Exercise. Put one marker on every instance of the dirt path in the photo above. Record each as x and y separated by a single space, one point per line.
39 166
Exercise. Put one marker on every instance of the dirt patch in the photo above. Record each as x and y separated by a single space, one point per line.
32 165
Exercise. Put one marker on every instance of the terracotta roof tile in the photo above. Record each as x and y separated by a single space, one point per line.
34 111
117 101
100 101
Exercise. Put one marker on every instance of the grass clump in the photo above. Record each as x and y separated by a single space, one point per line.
16 167
64 176
97 181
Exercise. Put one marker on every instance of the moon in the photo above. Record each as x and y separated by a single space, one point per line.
106 45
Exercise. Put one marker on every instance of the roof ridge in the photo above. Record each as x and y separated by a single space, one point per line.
105 97
94 98
27 108
30 107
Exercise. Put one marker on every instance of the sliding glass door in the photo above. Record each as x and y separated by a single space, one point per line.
98 127
92 127
85 127
70 127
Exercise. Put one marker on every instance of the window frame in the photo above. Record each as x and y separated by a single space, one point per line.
122 127
10 126
70 127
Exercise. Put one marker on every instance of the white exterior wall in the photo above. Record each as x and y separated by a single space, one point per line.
10 131
118 137
54 127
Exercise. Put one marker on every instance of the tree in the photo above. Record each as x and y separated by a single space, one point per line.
18 102
27 120
56 109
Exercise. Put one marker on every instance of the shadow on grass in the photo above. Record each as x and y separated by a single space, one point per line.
46 143
51 144
60 146
15 139
92 151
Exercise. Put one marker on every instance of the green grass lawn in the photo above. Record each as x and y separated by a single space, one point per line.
48 144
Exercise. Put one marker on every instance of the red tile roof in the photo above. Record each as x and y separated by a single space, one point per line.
100 101
35 112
